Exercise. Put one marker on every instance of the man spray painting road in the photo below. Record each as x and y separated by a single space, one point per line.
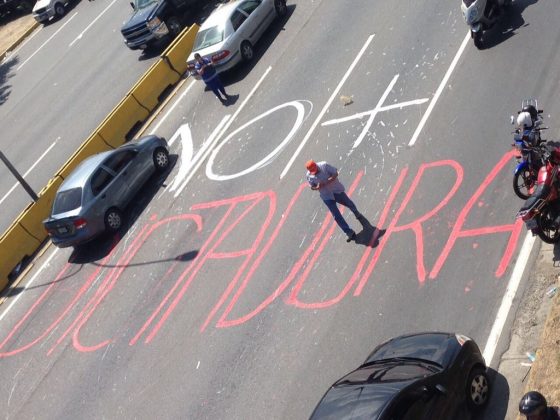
324 177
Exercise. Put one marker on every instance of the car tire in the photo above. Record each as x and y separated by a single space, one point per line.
174 26
113 219
247 52
59 10
478 389
161 159
281 8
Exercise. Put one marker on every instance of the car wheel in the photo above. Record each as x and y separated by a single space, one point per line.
59 10
247 52
281 8
478 388
113 219
174 26
161 159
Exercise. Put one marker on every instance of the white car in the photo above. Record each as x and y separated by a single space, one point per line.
228 35
46 9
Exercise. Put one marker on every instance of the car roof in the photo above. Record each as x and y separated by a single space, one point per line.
220 15
83 171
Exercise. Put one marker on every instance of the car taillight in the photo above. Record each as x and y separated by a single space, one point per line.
462 339
80 223
220 56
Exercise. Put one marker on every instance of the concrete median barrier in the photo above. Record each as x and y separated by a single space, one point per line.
15 245
150 88
178 52
119 125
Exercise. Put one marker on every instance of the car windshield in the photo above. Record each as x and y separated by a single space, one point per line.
67 200
140 4
208 37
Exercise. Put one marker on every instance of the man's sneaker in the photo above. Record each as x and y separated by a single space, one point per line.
351 237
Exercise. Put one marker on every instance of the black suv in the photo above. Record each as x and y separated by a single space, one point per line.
154 21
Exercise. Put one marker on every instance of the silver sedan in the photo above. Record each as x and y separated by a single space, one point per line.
228 35
92 198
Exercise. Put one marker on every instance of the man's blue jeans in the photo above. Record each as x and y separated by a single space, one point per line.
342 198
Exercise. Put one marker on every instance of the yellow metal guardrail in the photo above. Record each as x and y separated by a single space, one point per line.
26 234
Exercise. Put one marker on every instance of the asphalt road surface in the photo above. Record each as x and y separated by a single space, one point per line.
231 293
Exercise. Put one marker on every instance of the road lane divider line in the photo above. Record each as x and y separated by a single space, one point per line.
507 300
326 107
48 40
29 170
439 90
13 49
29 283
91 24
172 108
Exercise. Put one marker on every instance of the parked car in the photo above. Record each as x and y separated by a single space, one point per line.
10 6
44 10
155 21
92 198
413 377
229 34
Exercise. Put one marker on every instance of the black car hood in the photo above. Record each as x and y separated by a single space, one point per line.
439 348
141 15
356 401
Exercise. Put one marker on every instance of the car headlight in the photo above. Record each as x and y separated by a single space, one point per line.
154 23
462 339
472 15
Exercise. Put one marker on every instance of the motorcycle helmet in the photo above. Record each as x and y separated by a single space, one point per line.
532 403
532 111
524 120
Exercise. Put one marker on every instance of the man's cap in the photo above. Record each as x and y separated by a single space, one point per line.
311 166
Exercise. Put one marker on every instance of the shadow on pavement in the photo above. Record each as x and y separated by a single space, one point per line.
507 25
369 235
5 74
102 246
499 398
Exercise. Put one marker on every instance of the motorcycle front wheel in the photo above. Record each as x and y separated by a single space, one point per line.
548 230
523 183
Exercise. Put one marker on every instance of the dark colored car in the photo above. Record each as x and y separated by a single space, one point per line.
154 22
428 376
92 198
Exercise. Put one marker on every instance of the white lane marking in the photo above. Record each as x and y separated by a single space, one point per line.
91 24
51 37
21 293
360 115
172 108
507 300
29 170
187 152
326 107
224 125
439 90
189 169
13 54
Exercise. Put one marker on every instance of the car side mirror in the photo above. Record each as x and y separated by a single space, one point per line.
134 8
441 389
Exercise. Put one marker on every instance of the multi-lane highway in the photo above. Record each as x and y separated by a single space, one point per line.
231 294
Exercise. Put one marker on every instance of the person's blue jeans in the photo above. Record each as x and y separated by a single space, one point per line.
216 86
342 198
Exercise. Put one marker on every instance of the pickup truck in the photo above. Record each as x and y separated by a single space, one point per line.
154 21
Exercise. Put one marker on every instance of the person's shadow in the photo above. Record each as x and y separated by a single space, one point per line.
369 235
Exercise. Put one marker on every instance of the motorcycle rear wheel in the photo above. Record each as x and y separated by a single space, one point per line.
548 231
523 183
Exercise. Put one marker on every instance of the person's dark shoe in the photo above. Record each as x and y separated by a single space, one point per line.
351 237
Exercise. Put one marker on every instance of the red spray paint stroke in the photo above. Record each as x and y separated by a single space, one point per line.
382 219
111 279
416 225
87 305
293 297
71 305
457 232
201 259
28 314
198 220
222 321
